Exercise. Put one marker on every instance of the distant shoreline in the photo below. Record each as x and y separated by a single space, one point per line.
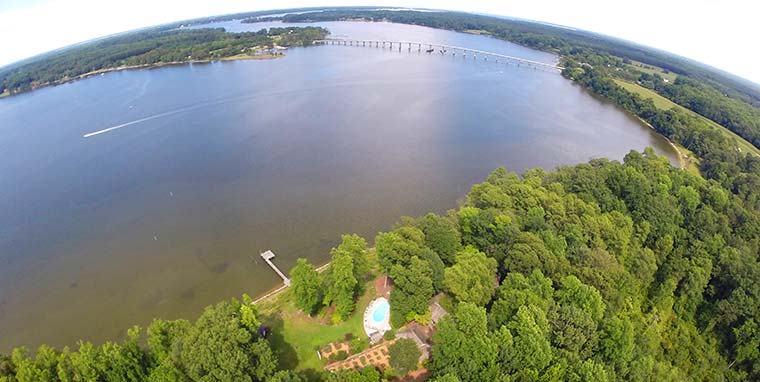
683 160
238 57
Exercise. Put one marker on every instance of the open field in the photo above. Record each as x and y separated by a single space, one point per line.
296 337
665 104
478 32
670 76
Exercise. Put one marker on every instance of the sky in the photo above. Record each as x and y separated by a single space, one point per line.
722 33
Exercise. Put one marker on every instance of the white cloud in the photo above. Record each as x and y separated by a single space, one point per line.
721 34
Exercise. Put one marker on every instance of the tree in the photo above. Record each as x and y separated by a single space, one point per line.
515 291
162 334
124 362
286 376
472 278
306 286
442 236
7 368
531 350
586 298
219 347
748 346
412 290
404 356
447 378
398 247
463 347
341 285
368 374
43 368
356 247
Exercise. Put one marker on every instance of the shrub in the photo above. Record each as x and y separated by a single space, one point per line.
389 335
357 345
404 356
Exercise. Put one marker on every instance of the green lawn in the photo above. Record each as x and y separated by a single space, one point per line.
296 337
478 32
670 76
665 104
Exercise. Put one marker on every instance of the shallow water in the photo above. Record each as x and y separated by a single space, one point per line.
168 214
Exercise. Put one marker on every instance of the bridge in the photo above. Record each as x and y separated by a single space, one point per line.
443 50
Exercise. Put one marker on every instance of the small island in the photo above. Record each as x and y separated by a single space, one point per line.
152 48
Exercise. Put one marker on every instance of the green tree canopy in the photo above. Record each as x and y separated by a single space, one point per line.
219 347
472 278
306 286
404 356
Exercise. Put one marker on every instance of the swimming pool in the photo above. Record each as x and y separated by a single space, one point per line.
377 319
380 314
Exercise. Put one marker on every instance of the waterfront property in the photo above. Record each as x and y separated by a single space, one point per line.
216 159
377 319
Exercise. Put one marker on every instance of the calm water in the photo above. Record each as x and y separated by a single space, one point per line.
165 216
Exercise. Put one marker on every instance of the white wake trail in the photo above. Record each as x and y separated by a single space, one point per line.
218 102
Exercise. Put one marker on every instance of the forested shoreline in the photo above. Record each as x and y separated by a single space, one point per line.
597 272
154 47
723 98
602 271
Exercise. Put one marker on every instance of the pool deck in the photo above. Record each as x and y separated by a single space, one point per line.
374 329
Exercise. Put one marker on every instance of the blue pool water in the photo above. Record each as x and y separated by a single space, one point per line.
381 311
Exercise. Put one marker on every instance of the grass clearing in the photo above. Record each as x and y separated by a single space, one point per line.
477 32
649 69
296 337
665 104
245 56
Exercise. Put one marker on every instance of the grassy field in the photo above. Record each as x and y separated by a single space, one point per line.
245 56
670 76
296 337
665 104
478 32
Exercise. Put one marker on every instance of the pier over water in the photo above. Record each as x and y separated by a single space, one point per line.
268 256
442 49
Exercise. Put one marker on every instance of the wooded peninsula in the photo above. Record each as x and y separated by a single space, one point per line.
603 271
154 47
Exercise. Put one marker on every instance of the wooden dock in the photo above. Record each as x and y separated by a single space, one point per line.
268 256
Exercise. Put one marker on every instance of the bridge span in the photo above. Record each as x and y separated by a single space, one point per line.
441 49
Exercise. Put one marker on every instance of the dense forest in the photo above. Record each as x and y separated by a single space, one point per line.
603 271
597 272
732 103
547 37
149 48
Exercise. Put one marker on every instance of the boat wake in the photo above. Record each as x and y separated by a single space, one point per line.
224 101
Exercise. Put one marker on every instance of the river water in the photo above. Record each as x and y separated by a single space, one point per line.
215 163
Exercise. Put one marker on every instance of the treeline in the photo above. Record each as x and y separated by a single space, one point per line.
596 272
148 48
720 158
547 37
606 271
226 343
730 102
339 286
739 117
